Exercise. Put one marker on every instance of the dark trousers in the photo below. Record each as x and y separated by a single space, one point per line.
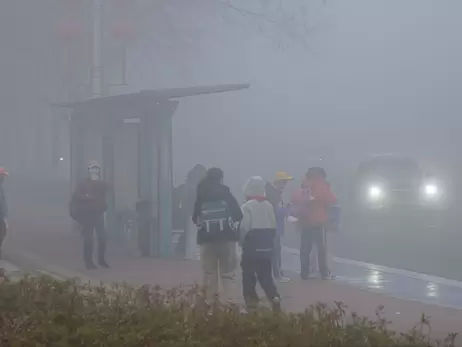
255 269
88 229
309 236
277 257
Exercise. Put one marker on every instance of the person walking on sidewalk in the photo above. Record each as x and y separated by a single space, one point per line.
217 215
274 194
257 233
88 205
314 202
3 210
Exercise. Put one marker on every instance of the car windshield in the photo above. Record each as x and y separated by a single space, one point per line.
395 169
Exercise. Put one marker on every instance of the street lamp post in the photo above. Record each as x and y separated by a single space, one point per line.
97 70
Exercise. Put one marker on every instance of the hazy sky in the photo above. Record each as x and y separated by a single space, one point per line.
370 76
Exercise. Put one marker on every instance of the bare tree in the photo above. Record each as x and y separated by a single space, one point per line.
285 21
295 19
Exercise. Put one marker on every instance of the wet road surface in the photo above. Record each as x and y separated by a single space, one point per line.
393 282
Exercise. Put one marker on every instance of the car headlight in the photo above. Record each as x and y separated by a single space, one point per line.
431 189
375 193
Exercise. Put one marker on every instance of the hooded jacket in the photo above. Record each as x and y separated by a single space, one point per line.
258 227
213 192
313 202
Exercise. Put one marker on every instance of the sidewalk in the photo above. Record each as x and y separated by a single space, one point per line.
57 251
9 270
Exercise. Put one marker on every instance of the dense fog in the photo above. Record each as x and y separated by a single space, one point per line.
332 82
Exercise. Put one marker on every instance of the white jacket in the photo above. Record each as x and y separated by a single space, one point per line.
257 214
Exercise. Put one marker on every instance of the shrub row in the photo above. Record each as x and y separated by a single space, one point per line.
40 311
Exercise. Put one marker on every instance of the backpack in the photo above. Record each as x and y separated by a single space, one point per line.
215 217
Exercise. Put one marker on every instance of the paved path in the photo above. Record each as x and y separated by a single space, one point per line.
362 287
393 282
10 270
381 279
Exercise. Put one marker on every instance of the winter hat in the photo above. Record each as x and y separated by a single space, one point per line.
92 164
255 187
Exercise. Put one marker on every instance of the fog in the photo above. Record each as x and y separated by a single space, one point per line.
338 80
366 77
332 83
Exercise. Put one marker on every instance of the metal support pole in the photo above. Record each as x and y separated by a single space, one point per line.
108 170
164 145
145 171
77 162
99 90
97 70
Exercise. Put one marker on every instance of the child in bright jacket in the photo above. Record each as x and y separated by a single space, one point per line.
257 233
311 205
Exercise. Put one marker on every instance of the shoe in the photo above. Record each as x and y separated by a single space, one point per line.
276 304
328 277
251 305
283 279
103 263
90 266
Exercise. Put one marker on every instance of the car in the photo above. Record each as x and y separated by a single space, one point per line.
389 182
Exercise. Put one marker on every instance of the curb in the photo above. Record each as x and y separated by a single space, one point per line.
41 266
382 268
9 268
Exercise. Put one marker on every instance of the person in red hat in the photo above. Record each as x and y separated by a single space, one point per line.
3 209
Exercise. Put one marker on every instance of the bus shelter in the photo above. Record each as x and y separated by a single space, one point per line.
131 136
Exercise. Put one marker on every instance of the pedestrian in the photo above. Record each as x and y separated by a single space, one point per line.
313 204
216 214
298 203
188 237
257 234
3 209
274 194
87 207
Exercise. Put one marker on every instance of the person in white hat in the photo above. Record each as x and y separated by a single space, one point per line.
257 233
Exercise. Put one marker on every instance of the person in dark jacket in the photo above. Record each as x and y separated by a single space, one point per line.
216 214
3 209
257 233
88 206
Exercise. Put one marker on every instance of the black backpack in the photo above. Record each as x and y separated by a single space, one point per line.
215 217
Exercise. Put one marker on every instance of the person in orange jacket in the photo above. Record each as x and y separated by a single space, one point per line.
314 202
